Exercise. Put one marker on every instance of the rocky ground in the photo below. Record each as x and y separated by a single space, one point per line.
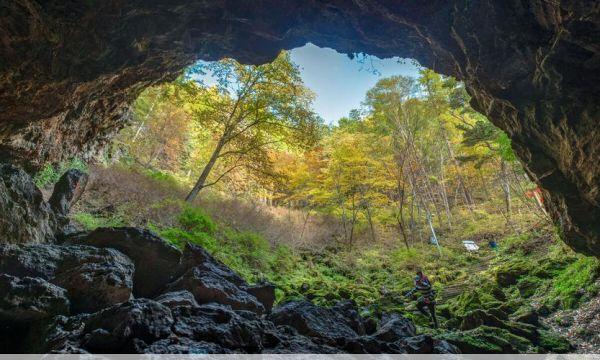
581 326
124 290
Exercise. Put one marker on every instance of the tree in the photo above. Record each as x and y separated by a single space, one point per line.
250 110
159 131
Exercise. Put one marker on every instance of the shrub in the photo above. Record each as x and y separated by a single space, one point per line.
50 174
195 220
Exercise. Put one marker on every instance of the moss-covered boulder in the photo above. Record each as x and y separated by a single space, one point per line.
487 340
528 285
526 314
554 343
477 318
487 296
510 273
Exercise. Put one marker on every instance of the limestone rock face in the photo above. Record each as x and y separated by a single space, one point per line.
24 215
69 71
67 191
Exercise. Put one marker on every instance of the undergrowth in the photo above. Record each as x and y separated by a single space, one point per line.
532 267
50 173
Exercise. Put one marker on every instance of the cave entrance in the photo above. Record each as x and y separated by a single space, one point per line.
347 150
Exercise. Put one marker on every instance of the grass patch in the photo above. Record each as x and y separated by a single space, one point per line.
92 222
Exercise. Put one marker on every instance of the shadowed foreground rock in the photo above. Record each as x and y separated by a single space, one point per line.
78 298
25 217
93 278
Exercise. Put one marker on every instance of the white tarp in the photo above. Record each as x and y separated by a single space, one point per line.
470 245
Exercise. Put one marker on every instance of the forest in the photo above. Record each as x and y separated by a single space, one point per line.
244 167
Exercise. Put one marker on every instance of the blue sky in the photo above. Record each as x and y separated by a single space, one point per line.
339 82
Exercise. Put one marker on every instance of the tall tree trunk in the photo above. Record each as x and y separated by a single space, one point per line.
461 182
400 216
505 187
445 193
205 172
370 220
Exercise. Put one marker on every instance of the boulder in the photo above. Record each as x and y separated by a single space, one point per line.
297 344
197 256
264 293
349 313
526 315
156 261
208 286
177 298
476 318
239 331
510 274
67 191
393 327
182 345
325 325
123 328
486 340
93 286
426 344
94 278
30 299
24 215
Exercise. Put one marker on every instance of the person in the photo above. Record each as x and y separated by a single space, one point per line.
427 298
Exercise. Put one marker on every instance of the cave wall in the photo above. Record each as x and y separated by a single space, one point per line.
69 70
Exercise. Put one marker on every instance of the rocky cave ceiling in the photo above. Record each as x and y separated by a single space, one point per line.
69 69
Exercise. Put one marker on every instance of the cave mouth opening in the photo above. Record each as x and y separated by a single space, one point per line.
239 139
411 176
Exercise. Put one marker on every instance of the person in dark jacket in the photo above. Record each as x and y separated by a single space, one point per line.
426 299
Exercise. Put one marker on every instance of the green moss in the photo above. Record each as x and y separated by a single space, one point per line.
553 343
528 285
92 222
487 340
485 296
194 219
575 282
510 272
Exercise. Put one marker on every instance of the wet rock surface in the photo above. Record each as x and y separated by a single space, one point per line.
78 299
